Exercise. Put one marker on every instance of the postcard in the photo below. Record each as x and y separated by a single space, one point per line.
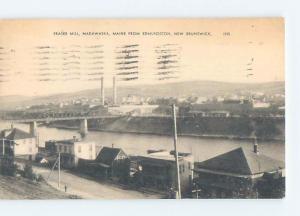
142 108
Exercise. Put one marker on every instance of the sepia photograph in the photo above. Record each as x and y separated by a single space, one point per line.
142 108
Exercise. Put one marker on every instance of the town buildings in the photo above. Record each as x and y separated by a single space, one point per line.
238 174
71 150
112 163
18 143
158 170
130 109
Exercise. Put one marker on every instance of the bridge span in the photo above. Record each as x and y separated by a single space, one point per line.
83 122
59 119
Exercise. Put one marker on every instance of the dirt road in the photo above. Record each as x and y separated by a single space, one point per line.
90 189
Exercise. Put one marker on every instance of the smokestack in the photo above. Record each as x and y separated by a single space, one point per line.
102 91
255 146
114 91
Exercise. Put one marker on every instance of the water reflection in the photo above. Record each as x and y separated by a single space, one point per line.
139 143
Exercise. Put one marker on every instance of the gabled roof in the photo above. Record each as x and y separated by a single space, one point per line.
107 155
241 161
17 134
5 131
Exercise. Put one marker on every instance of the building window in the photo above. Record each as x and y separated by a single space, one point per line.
79 149
91 148
65 149
30 150
60 148
189 165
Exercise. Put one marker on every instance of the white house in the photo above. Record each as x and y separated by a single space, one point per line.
259 105
19 143
71 150
133 109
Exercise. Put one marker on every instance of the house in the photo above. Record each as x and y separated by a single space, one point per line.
114 162
236 174
196 113
217 114
97 110
110 163
71 150
157 170
260 105
201 100
225 108
132 109
132 99
18 143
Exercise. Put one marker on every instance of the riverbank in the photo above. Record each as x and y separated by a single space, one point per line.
241 128
204 136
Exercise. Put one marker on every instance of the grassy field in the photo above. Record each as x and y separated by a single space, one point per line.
21 188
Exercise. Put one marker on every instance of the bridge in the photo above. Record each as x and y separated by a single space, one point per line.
83 122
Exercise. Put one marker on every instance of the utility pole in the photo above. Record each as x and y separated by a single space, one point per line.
58 169
37 139
175 148
3 147
57 161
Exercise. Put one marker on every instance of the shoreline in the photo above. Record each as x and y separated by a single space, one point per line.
205 136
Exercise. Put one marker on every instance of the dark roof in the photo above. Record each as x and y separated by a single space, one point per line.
155 161
66 141
241 161
17 134
5 131
231 107
107 155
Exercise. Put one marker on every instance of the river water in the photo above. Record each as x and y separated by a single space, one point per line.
137 144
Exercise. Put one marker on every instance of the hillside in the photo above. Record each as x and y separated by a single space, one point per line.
179 89
20 188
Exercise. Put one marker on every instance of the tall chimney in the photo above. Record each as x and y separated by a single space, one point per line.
114 91
102 91
255 146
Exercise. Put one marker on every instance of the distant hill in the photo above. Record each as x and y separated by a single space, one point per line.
179 89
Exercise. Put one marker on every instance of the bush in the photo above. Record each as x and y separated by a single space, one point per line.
7 166
28 172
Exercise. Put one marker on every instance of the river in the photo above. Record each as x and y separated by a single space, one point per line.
136 144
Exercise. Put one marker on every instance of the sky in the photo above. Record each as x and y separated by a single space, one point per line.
36 58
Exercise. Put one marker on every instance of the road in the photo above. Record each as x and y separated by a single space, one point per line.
90 189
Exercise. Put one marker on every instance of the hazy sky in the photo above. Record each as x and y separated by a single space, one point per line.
36 60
